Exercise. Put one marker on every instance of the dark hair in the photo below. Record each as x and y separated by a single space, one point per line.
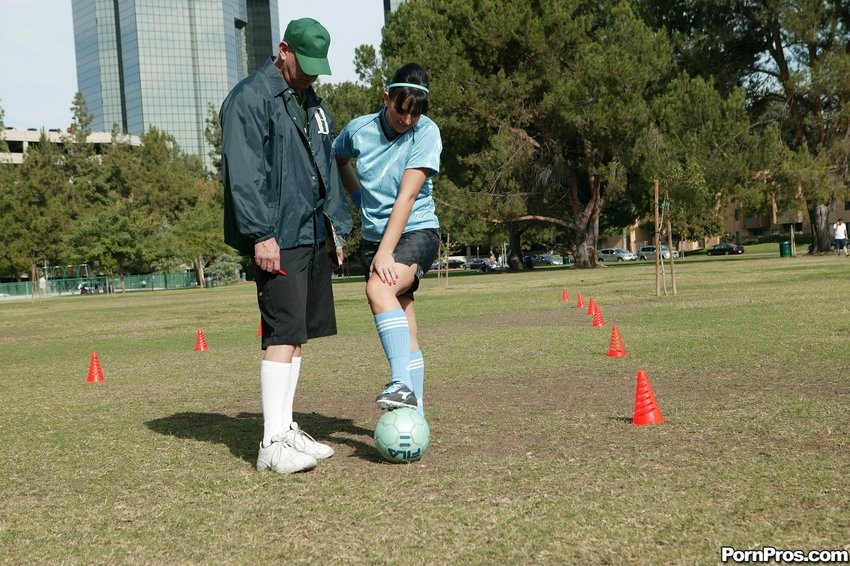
400 95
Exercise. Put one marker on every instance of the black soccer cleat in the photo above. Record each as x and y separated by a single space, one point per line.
395 396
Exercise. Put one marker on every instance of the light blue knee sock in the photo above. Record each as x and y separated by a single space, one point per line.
395 338
417 378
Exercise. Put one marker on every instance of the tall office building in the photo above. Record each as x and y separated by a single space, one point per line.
143 63
391 6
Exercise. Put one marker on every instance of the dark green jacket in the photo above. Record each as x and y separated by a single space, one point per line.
270 184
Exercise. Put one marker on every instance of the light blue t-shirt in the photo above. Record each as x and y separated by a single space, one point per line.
381 164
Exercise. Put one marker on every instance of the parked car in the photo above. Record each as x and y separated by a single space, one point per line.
453 264
616 254
479 263
725 249
547 259
648 252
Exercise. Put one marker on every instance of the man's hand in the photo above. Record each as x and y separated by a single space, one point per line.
267 255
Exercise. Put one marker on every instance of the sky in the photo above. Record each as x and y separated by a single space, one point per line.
38 74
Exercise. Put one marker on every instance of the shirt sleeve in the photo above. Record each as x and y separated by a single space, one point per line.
342 144
426 150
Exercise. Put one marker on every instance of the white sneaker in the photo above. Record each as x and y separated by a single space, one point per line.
306 444
282 458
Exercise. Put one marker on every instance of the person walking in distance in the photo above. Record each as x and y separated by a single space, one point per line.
840 235
398 153
283 200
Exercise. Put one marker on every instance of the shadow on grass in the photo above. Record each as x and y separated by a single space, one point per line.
242 433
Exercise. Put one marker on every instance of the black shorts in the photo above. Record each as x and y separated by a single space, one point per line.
299 305
419 247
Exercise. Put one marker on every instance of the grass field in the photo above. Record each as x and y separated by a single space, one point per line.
533 457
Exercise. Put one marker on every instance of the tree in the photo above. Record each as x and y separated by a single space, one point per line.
793 58
699 148
80 164
540 104
111 239
11 260
348 100
198 233
8 230
225 269
212 133
38 209
710 38
163 182
156 187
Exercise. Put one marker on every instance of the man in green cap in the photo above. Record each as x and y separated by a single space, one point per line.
283 201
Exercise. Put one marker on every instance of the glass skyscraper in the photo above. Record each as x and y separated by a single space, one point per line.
391 6
161 63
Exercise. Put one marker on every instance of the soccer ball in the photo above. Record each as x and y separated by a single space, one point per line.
402 435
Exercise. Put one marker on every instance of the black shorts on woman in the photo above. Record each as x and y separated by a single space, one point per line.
418 247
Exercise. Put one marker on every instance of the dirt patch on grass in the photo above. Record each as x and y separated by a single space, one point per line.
519 415
554 413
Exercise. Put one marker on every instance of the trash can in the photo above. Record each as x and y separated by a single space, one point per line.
785 249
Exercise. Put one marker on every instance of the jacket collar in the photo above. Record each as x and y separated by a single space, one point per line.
279 86
272 74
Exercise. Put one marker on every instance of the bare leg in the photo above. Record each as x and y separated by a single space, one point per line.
383 297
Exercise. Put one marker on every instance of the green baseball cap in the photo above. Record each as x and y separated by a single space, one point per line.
310 42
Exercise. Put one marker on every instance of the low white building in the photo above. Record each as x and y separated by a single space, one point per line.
19 141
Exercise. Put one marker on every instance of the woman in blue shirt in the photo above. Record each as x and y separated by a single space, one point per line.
398 153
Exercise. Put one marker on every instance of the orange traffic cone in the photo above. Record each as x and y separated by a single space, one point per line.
95 371
260 328
579 301
646 408
565 296
201 342
591 307
597 317
616 349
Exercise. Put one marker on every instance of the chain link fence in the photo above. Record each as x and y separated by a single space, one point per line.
99 285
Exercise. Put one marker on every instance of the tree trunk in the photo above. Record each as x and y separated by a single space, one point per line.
586 237
199 271
585 218
818 216
515 262
585 209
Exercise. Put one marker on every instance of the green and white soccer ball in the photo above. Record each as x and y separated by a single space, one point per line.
402 435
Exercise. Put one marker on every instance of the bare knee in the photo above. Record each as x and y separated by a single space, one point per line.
381 296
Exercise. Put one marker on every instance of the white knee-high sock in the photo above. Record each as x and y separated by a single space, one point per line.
417 378
290 394
274 389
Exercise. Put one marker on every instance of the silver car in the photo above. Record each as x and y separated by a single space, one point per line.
648 252
616 254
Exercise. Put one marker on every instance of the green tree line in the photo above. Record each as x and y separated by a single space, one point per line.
557 116
126 210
